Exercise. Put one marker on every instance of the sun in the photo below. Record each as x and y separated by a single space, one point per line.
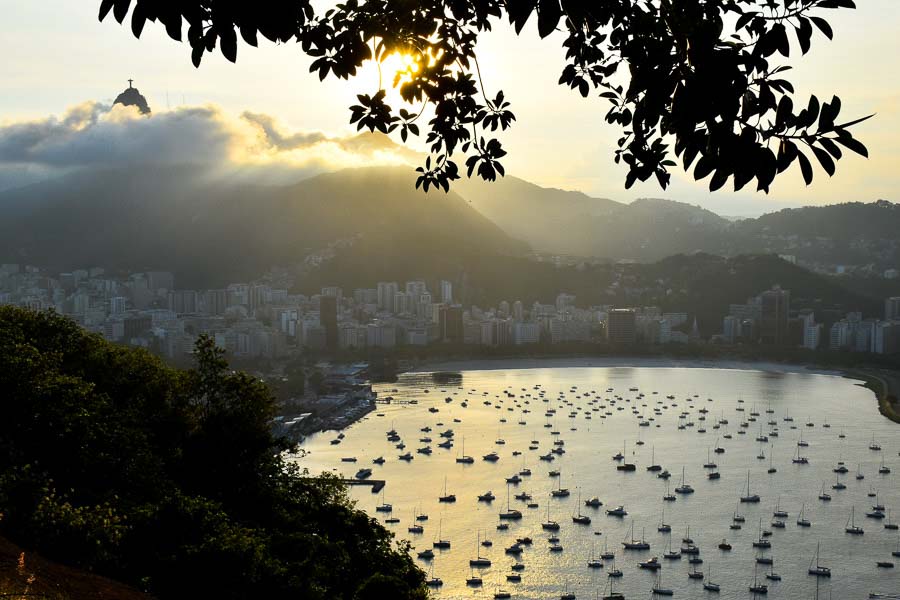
399 68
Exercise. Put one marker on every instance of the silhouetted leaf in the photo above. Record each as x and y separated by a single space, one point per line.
824 160
805 168
852 144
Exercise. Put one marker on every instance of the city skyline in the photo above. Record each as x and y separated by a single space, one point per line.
265 318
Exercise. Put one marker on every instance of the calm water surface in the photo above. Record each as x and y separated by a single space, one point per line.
512 404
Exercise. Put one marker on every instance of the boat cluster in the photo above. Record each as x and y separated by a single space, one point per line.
693 414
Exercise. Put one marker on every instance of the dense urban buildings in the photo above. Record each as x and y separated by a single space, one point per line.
263 319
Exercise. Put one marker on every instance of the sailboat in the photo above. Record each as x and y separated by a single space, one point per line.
606 554
658 589
838 484
479 561
772 468
684 488
433 581
738 517
668 497
440 542
883 469
761 541
462 458
548 524
415 527
510 514
823 495
801 521
709 464
580 518
384 506
874 445
559 492
852 527
799 460
748 497
708 585
614 572
663 526
445 497
694 573
757 587
778 512
612 594
473 579
818 570
671 554
772 575
890 524
859 473
653 467
633 544
594 562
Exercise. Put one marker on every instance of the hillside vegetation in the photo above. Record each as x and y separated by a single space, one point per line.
214 232
170 480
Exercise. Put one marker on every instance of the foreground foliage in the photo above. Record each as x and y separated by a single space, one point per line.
171 480
703 80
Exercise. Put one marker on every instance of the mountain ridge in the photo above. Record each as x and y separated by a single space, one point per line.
168 219
215 230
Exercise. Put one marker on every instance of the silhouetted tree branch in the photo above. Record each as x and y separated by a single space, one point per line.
703 78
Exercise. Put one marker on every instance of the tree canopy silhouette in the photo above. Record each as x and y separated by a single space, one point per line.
171 480
698 80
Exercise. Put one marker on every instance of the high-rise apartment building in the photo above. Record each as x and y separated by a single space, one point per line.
183 301
328 308
518 311
451 324
892 308
775 304
621 328
215 302
387 290
446 292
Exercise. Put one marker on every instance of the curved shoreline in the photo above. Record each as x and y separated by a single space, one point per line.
886 387
488 364
883 383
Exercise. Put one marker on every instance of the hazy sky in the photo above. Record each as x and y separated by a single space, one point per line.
57 55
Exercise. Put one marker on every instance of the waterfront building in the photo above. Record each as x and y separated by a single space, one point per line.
328 319
812 332
451 324
775 304
526 333
621 326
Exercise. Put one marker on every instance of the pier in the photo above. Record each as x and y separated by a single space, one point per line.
377 484
391 400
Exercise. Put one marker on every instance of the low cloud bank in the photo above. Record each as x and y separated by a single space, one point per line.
252 146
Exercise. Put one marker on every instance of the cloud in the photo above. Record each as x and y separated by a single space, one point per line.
251 146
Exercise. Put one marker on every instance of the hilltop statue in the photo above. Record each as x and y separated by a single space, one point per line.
132 97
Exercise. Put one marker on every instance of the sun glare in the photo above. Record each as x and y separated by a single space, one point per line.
398 68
